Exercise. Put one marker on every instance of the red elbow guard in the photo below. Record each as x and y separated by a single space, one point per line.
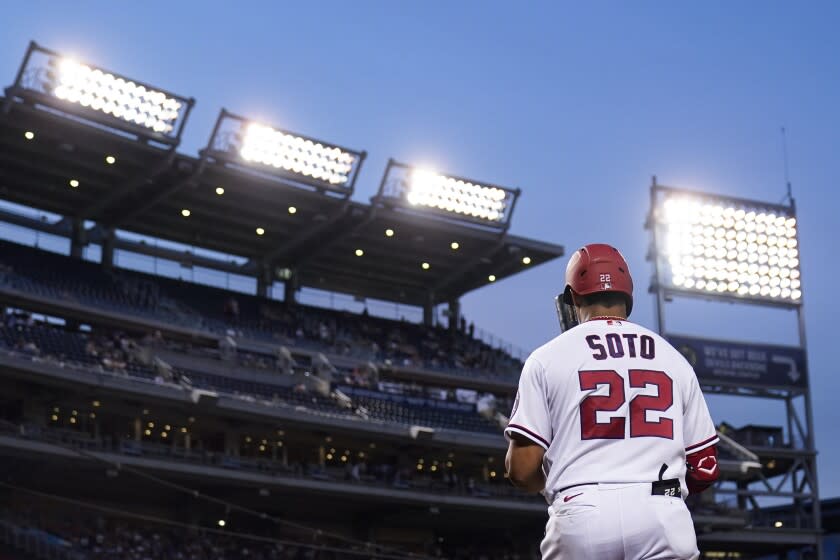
702 470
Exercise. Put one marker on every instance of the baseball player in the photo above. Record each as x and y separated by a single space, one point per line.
609 424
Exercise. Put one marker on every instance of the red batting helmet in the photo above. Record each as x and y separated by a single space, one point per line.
598 268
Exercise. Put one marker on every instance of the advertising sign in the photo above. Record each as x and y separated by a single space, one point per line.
736 363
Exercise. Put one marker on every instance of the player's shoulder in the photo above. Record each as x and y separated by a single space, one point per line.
553 347
564 344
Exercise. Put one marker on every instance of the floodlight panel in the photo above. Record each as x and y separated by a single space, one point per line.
720 246
112 95
270 151
432 190
274 148
97 94
465 199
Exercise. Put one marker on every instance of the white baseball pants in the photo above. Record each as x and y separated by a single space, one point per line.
618 522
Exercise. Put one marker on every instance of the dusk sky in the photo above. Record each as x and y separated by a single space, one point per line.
576 104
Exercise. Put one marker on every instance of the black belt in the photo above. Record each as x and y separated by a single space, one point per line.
576 485
668 487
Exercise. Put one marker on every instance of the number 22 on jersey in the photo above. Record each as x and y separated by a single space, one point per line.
638 407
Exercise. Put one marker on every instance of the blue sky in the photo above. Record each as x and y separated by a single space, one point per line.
578 105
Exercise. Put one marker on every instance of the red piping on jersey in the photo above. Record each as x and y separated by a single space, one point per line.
530 433
701 444
607 318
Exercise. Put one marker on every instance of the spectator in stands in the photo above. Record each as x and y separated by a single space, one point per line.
284 362
112 361
322 367
471 489
324 333
231 310
163 371
227 347
27 347
451 479
154 340
357 470
91 349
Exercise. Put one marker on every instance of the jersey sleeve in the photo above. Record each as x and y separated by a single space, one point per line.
699 430
529 417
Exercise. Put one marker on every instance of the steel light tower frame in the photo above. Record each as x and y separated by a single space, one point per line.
798 482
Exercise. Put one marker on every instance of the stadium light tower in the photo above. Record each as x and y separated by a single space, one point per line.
427 192
260 149
727 247
723 248
100 96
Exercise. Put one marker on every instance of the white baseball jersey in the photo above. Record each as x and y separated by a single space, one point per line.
610 402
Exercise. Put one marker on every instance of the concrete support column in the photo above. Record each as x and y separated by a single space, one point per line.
231 444
108 240
454 315
265 279
429 311
742 500
78 238
290 290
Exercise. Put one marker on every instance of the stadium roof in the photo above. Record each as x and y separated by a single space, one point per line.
76 165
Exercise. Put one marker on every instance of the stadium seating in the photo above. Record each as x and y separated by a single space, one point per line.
372 473
52 342
90 536
211 309
96 538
